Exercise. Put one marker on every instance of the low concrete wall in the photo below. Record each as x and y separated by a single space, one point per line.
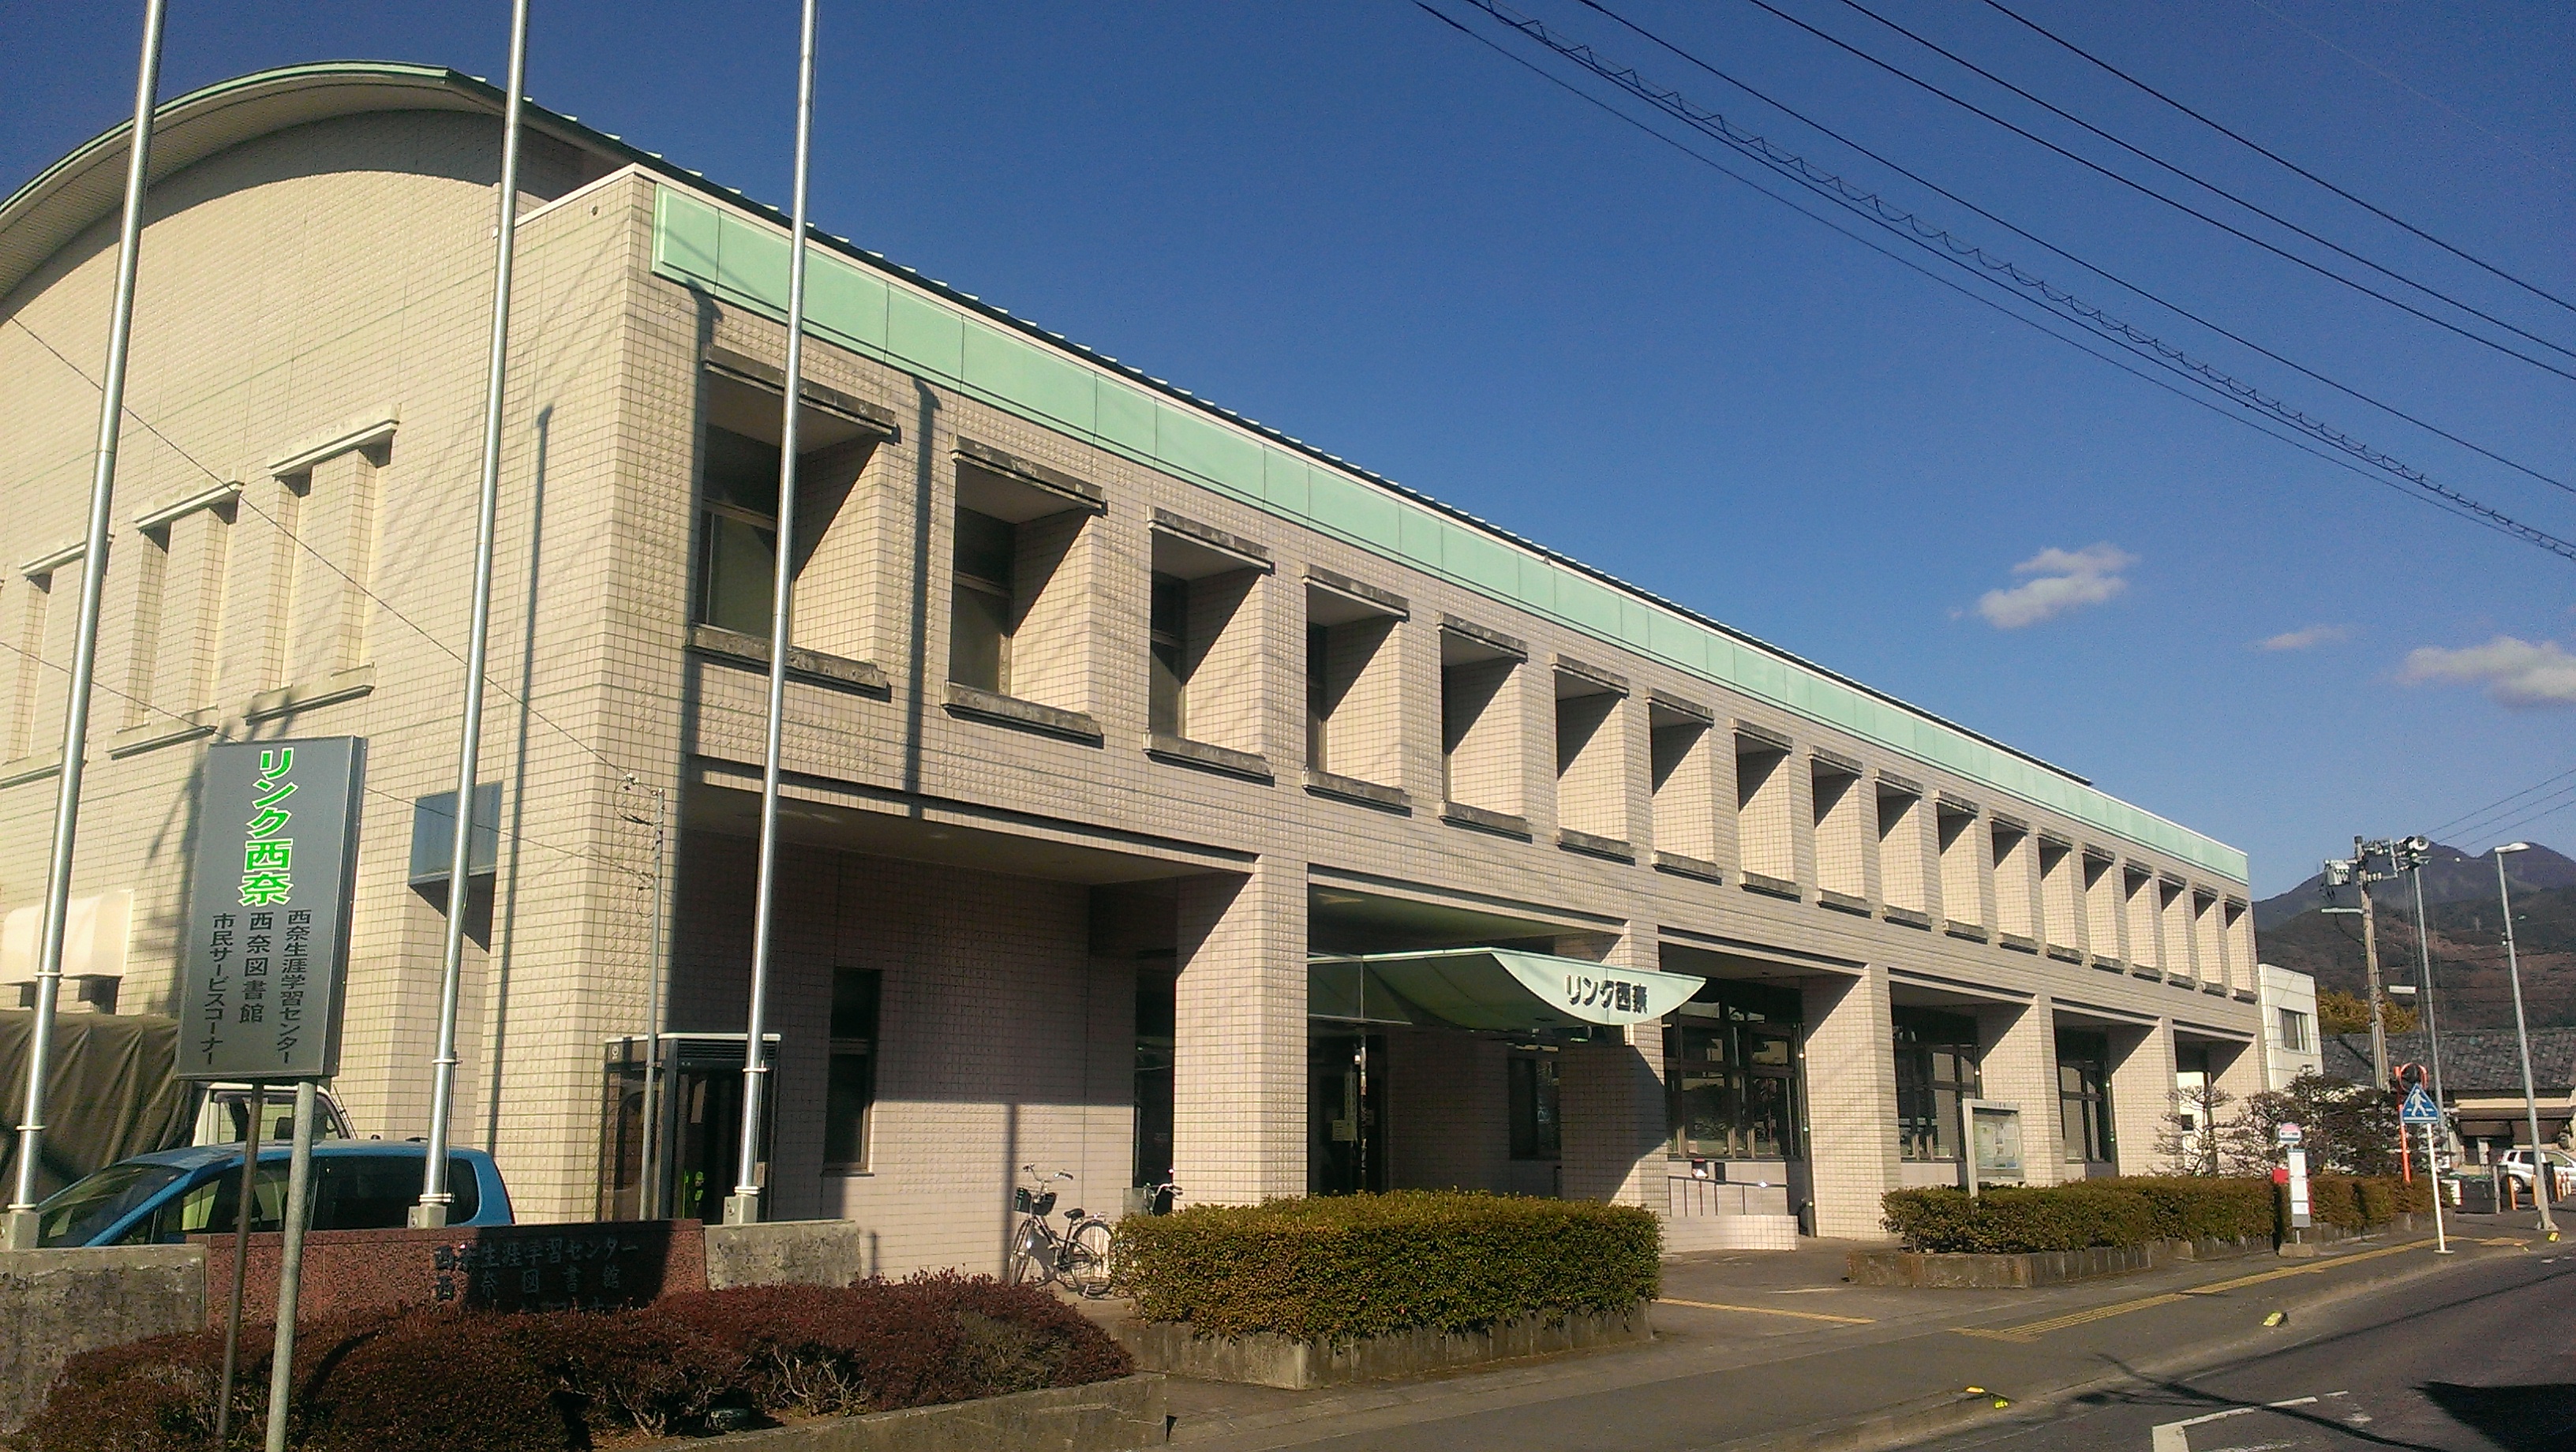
789 1253
60 1302
1106 1416
2307 1241
1268 1359
1956 1271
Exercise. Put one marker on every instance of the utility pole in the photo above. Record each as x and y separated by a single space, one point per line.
2362 879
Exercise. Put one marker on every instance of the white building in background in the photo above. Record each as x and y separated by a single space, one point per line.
2289 1012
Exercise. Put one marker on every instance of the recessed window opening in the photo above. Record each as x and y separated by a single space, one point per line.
2146 933
2084 1096
1683 781
2061 900
1591 758
1354 706
850 1084
1902 867
738 461
1204 648
1480 749
2238 926
1937 1063
2293 1029
1765 822
2016 885
1536 1121
2173 907
1962 895
1017 606
2209 940
2102 906
1843 829
1168 633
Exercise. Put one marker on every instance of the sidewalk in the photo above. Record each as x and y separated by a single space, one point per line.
1755 1347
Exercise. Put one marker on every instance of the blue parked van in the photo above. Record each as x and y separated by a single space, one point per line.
165 1197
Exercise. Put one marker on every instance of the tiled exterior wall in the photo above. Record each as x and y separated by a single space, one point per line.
1007 1039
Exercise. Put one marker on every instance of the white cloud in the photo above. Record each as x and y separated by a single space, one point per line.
2312 636
2514 672
2060 580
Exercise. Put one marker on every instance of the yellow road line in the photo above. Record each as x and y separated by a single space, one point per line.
1764 1311
2033 1330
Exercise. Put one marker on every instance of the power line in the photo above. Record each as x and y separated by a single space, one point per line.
2410 88
2144 190
324 560
1998 272
2094 268
2500 801
219 735
2269 154
2548 806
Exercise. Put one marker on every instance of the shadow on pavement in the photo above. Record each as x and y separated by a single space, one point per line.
2516 1418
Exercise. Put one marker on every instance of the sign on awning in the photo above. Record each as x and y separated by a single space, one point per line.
1491 988
267 930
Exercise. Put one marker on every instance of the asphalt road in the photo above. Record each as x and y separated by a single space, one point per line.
2481 1360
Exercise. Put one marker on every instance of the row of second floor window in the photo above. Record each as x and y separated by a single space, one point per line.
1664 780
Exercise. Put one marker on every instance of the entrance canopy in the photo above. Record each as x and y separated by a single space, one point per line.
1504 989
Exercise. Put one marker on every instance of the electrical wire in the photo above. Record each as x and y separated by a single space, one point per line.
324 560
516 838
2467 817
2156 298
2269 154
2410 88
1998 272
2225 226
2549 806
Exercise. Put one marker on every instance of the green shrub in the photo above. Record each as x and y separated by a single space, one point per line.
1341 1267
2018 1219
2357 1202
445 1380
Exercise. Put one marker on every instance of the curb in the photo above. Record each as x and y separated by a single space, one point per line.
1945 1412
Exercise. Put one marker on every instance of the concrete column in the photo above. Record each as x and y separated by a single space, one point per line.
1851 1101
1239 1057
1612 1098
2142 1084
2020 1067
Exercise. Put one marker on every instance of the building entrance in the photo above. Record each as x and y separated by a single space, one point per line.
695 1146
1346 1076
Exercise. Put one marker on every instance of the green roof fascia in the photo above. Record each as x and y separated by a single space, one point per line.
965 344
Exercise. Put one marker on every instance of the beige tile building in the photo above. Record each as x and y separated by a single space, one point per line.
1164 795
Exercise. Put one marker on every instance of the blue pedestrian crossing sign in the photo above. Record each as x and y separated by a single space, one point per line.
2419 1108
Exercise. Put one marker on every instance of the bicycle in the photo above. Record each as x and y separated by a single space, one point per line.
1077 1258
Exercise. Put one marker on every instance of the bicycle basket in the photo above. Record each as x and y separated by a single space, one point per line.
1044 1204
1020 1199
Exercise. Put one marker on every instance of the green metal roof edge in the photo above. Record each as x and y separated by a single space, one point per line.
2140 825
2049 786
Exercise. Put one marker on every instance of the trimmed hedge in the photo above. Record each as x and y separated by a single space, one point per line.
2131 1210
1348 1266
2362 1202
444 1380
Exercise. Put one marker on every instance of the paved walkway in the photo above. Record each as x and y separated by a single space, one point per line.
1751 1346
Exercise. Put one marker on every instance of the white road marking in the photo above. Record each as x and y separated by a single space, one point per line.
2173 1436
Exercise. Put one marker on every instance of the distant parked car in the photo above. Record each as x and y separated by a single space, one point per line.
164 1198
2517 1163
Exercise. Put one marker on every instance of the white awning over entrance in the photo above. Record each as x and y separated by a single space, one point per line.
1491 988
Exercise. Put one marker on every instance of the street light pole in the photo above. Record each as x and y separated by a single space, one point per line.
2541 1173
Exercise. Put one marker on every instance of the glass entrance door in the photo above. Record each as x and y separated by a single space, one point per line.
1346 1112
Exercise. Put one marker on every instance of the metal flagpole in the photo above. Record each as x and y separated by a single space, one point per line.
742 1207
22 1227
432 1209
290 1267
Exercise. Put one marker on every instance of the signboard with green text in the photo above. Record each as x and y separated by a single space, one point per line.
267 930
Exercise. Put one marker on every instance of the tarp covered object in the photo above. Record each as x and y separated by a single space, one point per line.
114 1092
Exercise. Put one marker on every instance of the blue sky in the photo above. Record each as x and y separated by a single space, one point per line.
1352 223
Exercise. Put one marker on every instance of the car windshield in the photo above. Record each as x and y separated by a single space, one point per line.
77 1214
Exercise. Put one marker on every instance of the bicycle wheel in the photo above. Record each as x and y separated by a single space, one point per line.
1028 1261
1086 1263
